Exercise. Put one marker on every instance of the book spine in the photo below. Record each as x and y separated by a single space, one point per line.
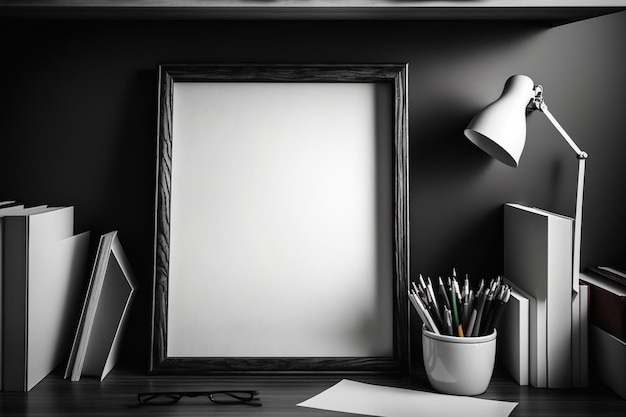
620 279
15 303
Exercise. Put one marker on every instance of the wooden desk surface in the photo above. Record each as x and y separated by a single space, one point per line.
116 396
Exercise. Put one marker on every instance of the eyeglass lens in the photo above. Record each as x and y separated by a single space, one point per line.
218 397
159 398
232 397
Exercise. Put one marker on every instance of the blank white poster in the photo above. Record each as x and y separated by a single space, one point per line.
281 221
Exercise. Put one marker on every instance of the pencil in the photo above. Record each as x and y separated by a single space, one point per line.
455 313
423 313
470 326
479 311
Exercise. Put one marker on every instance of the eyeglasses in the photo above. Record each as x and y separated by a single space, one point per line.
217 397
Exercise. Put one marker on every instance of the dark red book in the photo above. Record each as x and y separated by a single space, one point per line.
607 304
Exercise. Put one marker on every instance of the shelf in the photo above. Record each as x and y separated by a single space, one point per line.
552 10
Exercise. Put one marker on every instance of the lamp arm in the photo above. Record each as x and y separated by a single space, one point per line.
544 109
578 218
578 222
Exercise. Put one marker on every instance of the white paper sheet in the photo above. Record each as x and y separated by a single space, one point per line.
375 400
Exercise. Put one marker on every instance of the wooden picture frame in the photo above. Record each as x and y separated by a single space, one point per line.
319 107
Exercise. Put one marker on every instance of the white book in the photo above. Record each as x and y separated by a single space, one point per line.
584 295
514 337
575 338
538 257
106 303
580 323
44 268
7 211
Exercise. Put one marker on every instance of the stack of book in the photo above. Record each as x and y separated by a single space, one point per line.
43 269
44 280
607 330
545 343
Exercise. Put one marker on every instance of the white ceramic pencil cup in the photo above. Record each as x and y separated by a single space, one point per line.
459 365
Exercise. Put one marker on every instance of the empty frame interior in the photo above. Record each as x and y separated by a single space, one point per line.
281 230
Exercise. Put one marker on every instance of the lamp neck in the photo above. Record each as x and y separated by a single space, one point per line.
537 102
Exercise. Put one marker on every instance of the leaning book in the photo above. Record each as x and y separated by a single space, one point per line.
105 309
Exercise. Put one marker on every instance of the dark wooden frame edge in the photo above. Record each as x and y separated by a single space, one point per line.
171 73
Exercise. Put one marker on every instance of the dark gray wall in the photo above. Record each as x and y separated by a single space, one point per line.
78 116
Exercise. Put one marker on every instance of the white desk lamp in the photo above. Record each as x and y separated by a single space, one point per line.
500 130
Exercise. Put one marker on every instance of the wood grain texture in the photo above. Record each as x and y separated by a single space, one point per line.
169 74
162 207
116 396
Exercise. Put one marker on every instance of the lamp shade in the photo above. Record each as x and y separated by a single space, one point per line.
500 128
